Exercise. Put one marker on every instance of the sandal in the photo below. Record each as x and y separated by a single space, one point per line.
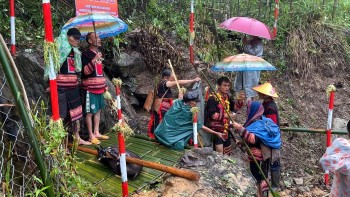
83 142
95 141
102 137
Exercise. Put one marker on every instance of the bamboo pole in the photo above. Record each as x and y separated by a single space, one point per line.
13 28
45 176
195 132
313 131
52 76
172 69
276 18
192 32
149 164
121 141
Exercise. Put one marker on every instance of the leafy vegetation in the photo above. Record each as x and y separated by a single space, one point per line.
29 20
211 43
61 164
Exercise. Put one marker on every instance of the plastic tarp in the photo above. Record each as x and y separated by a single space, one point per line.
176 127
337 160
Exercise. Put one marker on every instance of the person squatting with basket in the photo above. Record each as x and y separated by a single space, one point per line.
93 86
164 100
70 106
263 137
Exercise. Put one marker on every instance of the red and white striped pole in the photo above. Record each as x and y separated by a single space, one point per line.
52 75
195 131
330 91
276 17
121 142
119 107
192 32
13 29
122 161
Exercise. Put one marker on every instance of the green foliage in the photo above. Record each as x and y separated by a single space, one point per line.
173 16
29 20
8 172
62 166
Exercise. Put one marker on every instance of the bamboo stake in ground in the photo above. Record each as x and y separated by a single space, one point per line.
195 111
149 164
121 140
330 93
49 40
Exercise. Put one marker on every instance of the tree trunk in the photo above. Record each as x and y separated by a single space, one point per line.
334 9
238 8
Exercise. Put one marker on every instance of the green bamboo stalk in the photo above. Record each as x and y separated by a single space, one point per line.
26 122
274 194
314 131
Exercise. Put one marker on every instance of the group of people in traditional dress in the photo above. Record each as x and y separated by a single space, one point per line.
81 99
171 123
175 128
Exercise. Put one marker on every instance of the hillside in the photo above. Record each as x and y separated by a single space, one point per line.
311 52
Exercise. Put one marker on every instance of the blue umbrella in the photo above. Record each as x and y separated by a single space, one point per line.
242 62
104 24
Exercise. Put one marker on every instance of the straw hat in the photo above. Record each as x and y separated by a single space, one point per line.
266 89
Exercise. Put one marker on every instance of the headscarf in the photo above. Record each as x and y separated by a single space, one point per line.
263 128
65 48
254 112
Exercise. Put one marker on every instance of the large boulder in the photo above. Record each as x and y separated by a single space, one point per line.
129 64
30 68
220 176
230 175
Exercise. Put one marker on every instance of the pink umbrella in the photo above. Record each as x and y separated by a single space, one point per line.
248 26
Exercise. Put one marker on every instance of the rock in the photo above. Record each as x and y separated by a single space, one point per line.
340 124
218 171
328 71
180 187
142 124
133 100
287 183
32 73
318 192
129 64
144 83
298 181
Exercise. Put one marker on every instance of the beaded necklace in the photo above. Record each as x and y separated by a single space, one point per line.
226 107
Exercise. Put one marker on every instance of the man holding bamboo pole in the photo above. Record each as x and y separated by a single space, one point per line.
163 100
216 117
